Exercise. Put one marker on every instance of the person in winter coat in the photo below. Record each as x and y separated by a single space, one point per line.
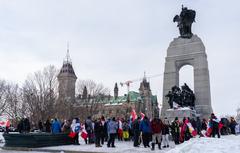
157 127
98 130
120 129
48 126
145 128
204 124
26 125
84 134
126 129
165 133
232 125
66 128
104 131
198 125
76 127
56 126
112 131
175 130
193 122
214 123
185 134
136 132
89 129
20 126
40 125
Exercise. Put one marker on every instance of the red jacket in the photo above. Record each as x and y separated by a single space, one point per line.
157 126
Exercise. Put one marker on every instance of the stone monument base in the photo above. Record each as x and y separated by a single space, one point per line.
180 113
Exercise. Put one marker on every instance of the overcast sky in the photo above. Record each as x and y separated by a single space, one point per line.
117 40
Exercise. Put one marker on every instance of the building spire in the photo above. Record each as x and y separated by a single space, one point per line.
67 58
144 77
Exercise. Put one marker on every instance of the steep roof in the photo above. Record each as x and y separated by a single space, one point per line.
67 68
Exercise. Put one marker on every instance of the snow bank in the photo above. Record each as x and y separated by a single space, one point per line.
225 144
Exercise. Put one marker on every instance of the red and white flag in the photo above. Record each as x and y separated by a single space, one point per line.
133 114
142 115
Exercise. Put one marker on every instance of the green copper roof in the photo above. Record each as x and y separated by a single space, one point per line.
133 97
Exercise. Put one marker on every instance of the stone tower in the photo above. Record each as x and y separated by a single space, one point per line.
146 95
116 91
66 88
183 52
85 93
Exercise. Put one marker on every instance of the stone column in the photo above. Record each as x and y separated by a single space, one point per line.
202 86
171 78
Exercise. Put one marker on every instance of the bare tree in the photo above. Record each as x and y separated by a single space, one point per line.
39 93
13 100
14 103
3 102
96 93
238 115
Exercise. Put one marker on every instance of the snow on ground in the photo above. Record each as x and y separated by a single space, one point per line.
121 147
12 151
1 138
225 144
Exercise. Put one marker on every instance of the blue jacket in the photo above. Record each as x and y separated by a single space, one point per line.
145 126
112 127
56 127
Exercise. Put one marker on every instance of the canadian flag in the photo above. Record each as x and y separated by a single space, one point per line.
4 122
133 114
142 115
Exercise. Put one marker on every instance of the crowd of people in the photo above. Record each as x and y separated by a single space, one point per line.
151 133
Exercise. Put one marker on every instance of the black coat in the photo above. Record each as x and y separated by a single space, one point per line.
135 125
175 127
165 129
98 128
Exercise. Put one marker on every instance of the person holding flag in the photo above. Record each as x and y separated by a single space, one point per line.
136 132
214 123
75 129
142 115
133 115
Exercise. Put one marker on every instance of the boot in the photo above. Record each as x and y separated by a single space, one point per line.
153 146
159 146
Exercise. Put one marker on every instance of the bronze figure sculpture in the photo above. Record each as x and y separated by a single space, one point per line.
185 20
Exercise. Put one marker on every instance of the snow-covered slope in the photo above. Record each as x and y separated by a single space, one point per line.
226 144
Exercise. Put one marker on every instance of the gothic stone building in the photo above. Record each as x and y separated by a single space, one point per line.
109 106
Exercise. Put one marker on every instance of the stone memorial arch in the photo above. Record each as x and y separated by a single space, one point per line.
191 51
